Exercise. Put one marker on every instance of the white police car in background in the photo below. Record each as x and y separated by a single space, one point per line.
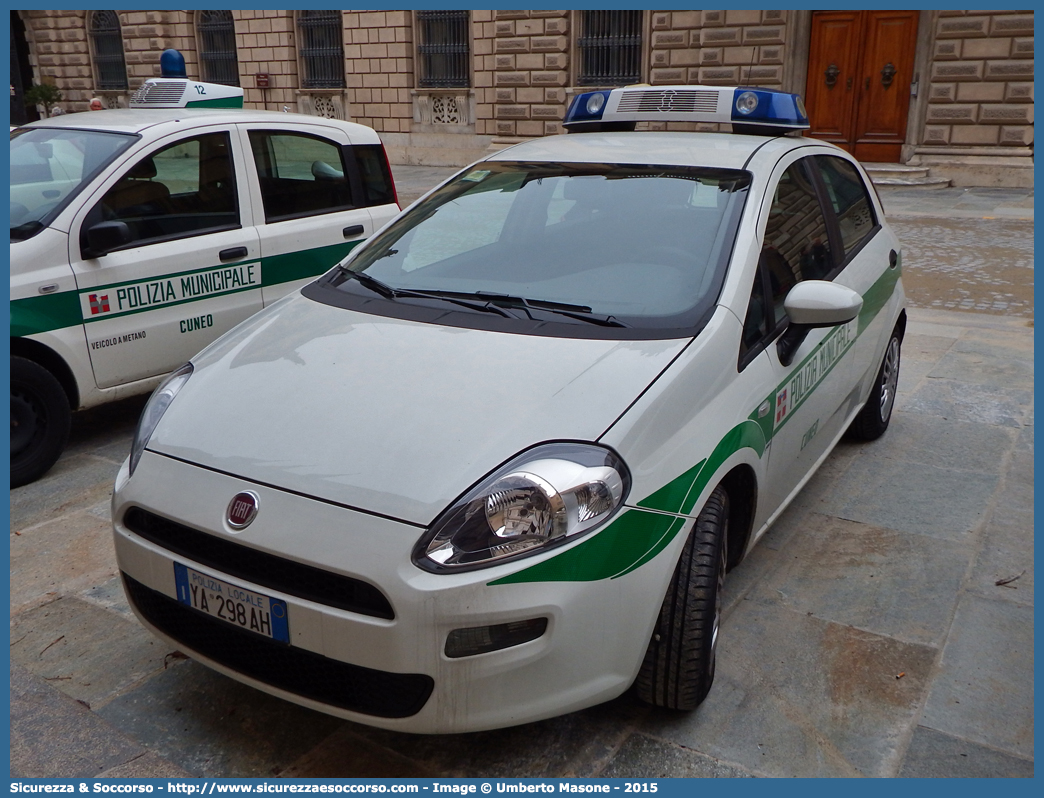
495 466
139 236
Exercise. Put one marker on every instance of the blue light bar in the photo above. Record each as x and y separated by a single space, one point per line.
769 107
587 107
749 110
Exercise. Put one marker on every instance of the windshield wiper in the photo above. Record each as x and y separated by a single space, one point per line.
579 312
388 292
490 302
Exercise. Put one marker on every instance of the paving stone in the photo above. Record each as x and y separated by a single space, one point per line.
980 693
54 736
345 754
892 583
954 401
997 344
74 482
110 596
1020 467
578 744
62 556
1006 550
935 755
641 757
146 766
798 696
968 264
85 651
940 502
944 443
210 725
923 342
979 369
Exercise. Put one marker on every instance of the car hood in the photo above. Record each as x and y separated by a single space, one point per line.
391 416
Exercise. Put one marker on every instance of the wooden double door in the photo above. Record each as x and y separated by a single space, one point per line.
860 67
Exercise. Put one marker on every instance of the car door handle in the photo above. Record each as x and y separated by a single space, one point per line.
233 254
354 230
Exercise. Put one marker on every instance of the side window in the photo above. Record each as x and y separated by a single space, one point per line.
851 201
376 175
185 189
755 325
796 244
300 175
796 248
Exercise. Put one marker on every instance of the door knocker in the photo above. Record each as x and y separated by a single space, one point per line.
831 75
888 74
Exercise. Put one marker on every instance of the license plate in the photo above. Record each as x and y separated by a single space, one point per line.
232 604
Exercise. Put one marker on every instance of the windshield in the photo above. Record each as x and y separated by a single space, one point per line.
621 245
49 167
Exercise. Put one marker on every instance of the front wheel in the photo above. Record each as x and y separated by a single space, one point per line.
679 664
40 420
873 419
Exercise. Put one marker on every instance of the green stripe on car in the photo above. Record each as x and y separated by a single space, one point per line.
638 534
278 269
39 314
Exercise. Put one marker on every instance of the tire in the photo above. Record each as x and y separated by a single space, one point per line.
40 420
678 669
873 419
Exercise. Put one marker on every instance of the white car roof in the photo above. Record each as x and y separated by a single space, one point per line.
163 120
721 150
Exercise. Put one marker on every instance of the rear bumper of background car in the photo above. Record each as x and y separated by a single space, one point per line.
391 672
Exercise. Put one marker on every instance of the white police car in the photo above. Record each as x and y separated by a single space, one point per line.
139 236
495 466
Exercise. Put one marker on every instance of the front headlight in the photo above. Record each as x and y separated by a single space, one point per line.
542 498
154 410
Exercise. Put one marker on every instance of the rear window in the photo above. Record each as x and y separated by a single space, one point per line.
376 175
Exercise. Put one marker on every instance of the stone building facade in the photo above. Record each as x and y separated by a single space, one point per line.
970 73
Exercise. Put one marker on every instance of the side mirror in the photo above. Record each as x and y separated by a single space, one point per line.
104 237
811 304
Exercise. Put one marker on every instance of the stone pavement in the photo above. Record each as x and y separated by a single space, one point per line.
883 626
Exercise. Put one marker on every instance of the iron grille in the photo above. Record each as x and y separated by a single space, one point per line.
610 48
444 49
217 47
322 49
108 50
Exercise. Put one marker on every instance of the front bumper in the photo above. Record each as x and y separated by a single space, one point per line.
388 672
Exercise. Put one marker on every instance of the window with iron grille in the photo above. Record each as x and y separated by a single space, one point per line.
610 47
443 49
321 49
217 47
107 41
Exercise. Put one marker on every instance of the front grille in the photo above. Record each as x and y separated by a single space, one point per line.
295 670
669 100
251 565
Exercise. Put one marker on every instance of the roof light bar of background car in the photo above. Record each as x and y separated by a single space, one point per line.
748 109
174 90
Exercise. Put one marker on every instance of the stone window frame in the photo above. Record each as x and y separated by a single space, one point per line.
202 48
432 107
418 28
98 35
576 24
303 55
